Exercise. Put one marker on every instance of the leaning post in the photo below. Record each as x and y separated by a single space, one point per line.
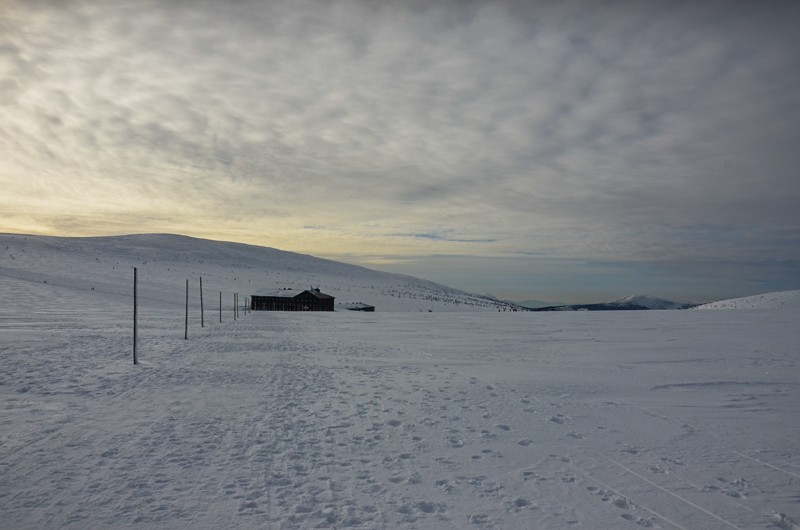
202 312
186 322
135 315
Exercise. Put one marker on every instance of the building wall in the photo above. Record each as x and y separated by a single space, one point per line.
301 302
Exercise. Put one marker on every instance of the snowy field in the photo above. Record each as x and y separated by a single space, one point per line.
662 419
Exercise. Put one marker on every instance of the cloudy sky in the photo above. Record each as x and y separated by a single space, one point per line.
566 151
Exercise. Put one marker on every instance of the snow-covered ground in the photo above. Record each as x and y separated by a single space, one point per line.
405 419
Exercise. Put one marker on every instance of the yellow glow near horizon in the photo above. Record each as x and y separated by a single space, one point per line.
362 246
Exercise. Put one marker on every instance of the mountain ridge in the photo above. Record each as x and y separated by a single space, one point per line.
641 302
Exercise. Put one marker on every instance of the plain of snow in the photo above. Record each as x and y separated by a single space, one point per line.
403 419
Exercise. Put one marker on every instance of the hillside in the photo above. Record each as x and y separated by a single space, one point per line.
57 271
782 300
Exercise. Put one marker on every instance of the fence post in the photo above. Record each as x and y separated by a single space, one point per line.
186 323
135 315
234 306
202 311
220 307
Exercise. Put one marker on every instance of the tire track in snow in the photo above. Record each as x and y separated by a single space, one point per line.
624 496
716 436
732 489
690 503
575 439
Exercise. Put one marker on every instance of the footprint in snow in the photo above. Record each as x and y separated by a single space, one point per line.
478 519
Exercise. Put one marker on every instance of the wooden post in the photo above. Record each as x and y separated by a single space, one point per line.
234 306
186 324
220 307
202 311
135 315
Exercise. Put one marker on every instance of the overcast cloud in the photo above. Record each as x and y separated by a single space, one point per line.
643 133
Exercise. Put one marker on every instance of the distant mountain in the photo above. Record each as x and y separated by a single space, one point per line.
781 300
649 302
54 271
533 304
628 303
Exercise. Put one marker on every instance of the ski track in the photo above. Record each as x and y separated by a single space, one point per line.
388 421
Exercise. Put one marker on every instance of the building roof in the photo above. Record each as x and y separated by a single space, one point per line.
291 293
278 293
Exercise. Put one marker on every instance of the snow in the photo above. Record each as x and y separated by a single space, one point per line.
404 419
783 300
283 293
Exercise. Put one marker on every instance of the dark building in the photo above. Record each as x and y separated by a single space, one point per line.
291 300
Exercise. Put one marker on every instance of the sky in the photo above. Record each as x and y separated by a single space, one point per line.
566 151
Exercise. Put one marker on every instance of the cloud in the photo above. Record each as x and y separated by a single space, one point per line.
618 130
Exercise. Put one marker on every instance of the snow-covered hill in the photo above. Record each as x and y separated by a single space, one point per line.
782 300
58 270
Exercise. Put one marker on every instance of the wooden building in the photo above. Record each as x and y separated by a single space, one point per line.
291 300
